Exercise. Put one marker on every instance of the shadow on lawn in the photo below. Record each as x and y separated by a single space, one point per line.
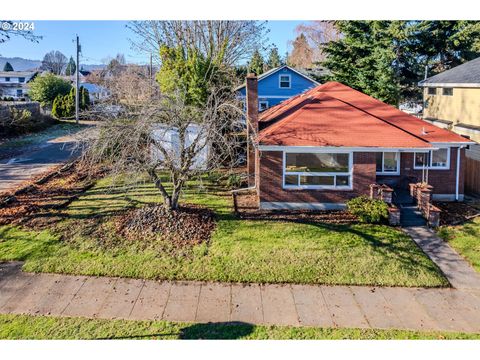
207 331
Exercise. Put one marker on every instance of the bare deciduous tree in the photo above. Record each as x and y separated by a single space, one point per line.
318 33
150 134
54 61
233 40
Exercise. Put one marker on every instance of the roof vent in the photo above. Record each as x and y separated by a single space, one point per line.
423 131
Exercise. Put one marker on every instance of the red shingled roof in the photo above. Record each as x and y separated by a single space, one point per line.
334 114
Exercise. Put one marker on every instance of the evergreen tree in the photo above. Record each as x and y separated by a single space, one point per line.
7 67
84 98
386 59
256 64
71 67
57 107
273 58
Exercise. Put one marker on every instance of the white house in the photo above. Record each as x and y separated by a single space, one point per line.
14 83
96 92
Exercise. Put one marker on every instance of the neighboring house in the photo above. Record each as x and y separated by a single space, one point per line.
96 92
319 149
452 101
279 84
14 83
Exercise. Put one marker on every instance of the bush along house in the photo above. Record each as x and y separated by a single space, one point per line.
332 143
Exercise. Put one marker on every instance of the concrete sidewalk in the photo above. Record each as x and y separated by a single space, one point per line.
455 268
297 305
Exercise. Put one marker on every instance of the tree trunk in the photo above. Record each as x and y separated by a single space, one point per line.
167 200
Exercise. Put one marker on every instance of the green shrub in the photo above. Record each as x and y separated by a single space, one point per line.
235 181
368 210
45 88
215 177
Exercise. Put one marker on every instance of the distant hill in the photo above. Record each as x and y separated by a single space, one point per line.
20 64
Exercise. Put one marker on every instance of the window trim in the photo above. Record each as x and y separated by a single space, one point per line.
447 88
430 167
263 101
434 89
383 172
289 81
318 187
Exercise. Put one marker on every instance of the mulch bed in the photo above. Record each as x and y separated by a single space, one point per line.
188 225
248 209
34 204
455 213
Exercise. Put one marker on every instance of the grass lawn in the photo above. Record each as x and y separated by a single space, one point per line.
465 239
42 327
239 251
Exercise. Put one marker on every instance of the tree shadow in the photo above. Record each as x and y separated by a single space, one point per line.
217 331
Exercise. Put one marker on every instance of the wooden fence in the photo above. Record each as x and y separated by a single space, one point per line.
472 176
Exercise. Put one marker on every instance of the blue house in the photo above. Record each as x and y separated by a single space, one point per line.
279 84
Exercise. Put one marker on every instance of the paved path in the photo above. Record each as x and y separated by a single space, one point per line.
15 171
458 271
298 305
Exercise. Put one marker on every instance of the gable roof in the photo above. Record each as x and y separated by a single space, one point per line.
274 70
334 114
465 75
17 73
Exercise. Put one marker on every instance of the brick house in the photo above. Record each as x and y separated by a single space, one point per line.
327 145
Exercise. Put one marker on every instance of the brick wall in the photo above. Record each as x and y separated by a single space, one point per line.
443 181
271 190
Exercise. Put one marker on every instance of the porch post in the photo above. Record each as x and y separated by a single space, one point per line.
457 175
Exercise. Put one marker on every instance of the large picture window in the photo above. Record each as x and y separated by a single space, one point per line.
317 170
388 163
436 159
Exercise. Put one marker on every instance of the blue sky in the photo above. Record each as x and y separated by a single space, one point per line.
103 39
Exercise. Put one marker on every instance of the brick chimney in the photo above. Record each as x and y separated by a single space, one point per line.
252 126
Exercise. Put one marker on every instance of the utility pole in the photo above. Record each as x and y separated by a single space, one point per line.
77 83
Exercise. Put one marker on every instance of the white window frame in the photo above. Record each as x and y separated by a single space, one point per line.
318 187
383 172
289 81
430 167
435 89
262 102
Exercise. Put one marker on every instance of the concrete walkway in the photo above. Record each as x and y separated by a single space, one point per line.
455 268
297 305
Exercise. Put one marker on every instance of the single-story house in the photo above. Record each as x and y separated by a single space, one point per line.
279 84
96 92
327 145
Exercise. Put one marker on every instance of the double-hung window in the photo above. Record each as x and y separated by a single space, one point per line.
284 81
317 170
388 163
436 159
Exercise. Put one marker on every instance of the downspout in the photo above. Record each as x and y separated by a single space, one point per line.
457 177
